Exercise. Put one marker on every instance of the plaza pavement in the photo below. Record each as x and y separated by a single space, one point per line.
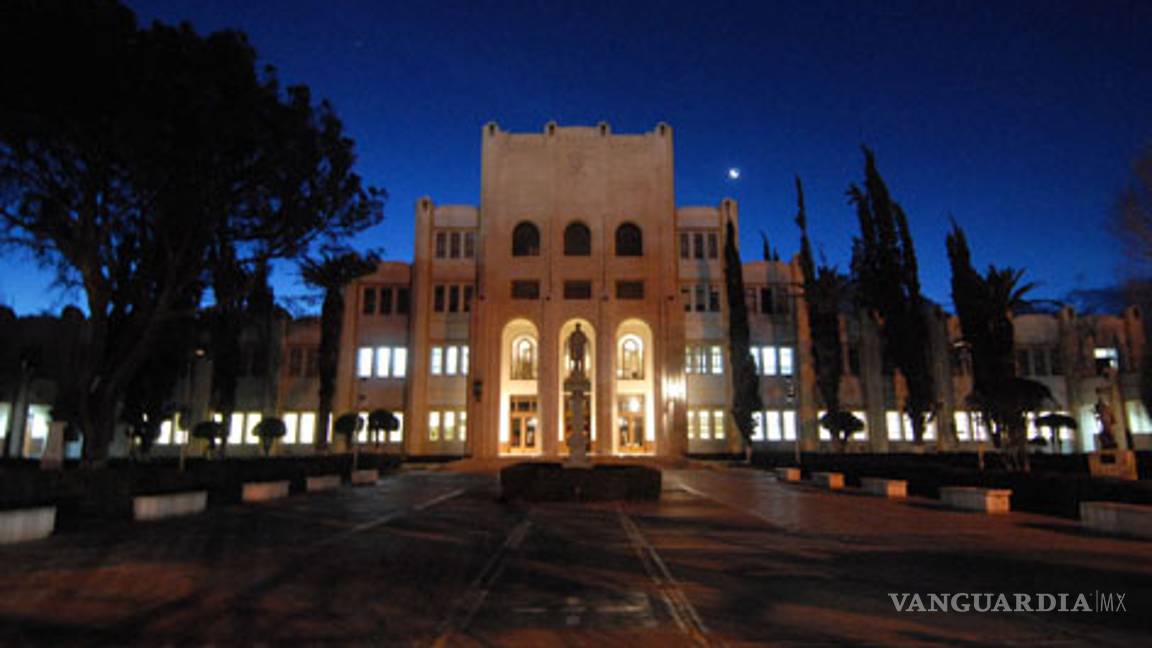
432 557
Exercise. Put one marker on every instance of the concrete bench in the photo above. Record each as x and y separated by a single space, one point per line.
322 483
829 480
20 525
893 488
788 474
1117 518
264 491
973 498
155 507
361 477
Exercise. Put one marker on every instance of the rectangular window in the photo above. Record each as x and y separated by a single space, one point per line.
468 298
399 362
577 290
785 361
705 423
449 426
700 301
438 299
454 247
385 301
1022 368
713 247
714 299
718 424
717 360
312 367
683 245
963 431
698 245
364 362
453 298
755 353
402 301
701 359
775 431
383 362
397 435
892 422
463 429
369 301
441 244
686 297
307 427
1106 357
766 302
451 359
689 357
692 427
469 245
1138 421
757 426
464 361
433 426
526 289
768 360
788 418
629 290
292 426
1040 362
437 364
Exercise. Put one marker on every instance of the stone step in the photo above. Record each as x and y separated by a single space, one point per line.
322 483
264 491
892 488
1117 518
363 477
788 474
974 498
155 507
21 525
829 480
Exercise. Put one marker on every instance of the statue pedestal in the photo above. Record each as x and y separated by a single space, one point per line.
577 440
1117 464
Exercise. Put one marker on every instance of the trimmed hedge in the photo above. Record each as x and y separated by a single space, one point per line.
1055 486
107 493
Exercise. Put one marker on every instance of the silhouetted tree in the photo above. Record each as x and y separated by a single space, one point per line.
746 398
268 430
382 422
824 292
886 275
122 165
332 271
984 305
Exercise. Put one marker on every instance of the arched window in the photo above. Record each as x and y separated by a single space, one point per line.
631 357
524 358
577 240
526 240
629 240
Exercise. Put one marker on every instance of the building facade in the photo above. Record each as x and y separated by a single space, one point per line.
578 228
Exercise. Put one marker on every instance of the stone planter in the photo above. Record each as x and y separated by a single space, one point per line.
788 474
264 491
21 525
363 477
972 498
1117 518
892 488
829 480
322 483
155 507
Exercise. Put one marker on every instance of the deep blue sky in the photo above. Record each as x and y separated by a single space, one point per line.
1019 118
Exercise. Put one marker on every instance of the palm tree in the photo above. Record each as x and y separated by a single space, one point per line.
332 271
381 422
268 430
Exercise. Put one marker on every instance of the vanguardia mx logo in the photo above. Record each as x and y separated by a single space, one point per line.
1017 602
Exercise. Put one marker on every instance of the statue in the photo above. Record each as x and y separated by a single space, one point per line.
1107 422
577 343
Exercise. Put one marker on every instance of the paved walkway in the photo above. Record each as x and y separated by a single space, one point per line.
433 558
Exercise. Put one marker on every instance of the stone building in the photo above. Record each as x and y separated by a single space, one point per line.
579 227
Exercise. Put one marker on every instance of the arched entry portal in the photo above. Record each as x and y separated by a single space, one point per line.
634 405
519 391
564 415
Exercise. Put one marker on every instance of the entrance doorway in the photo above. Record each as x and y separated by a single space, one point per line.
523 423
631 437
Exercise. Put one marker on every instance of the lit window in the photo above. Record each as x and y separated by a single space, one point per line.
433 426
705 424
452 358
292 427
449 426
718 423
400 362
464 361
437 360
717 360
236 429
524 359
702 359
692 428
383 362
892 422
963 431
250 422
689 360
364 362
1106 357
1138 420
757 426
165 433
789 419
397 435
463 429
768 356
307 427
631 358
785 361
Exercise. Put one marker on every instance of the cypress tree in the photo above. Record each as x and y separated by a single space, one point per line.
746 398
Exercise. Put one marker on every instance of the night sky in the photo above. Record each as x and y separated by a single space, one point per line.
1021 119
